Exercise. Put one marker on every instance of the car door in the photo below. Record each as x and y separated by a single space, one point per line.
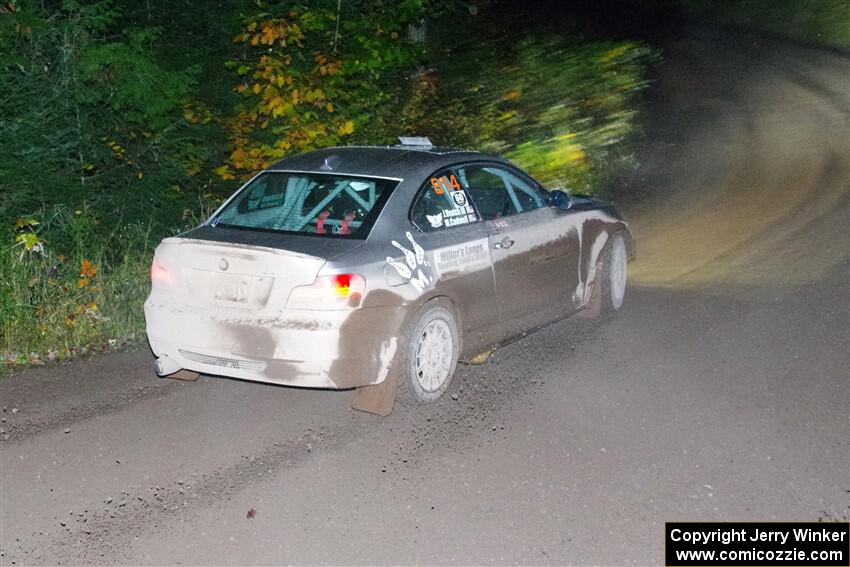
531 256
458 243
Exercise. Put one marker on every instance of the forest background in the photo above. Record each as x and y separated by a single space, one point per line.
122 122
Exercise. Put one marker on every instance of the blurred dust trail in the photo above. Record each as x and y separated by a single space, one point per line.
753 198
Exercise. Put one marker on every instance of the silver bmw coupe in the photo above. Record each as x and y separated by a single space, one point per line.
357 266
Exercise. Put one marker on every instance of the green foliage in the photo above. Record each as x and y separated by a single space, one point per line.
122 77
561 109
65 290
90 115
122 122
312 77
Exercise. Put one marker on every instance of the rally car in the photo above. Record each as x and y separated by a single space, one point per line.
345 267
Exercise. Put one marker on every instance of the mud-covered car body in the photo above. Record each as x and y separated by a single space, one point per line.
322 301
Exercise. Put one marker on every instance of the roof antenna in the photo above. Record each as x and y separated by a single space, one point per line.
329 163
415 141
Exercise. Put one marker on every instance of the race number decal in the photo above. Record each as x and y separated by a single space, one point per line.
443 184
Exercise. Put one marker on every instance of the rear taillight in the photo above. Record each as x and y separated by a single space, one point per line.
340 291
160 275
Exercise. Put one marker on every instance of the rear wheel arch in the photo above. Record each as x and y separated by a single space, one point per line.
421 381
444 301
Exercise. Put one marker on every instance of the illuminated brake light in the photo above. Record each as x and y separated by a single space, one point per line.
340 291
342 283
160 275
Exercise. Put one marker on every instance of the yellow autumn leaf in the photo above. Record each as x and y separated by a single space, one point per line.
269 34
87 269
347 128
576 154
224 172
22 222
329 107
275 102
28 239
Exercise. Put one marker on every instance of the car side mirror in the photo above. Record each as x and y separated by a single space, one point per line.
561 199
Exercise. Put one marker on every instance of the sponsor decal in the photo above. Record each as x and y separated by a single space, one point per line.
467 257
459 198
456 221
415 268
498 225
461 215
435 220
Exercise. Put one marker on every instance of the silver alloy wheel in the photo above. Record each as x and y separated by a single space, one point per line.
617 272
433 355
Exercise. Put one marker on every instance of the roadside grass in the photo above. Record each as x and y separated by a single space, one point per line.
69 287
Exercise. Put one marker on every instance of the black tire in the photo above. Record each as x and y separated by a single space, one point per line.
431 347
609 286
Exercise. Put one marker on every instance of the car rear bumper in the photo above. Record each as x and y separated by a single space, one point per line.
314 349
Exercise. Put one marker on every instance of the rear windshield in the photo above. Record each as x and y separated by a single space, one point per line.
308 203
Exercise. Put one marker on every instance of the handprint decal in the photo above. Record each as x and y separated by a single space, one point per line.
415 268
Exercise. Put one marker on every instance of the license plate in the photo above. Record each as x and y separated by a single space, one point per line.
232 289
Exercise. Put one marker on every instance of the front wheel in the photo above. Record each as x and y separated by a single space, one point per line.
609 284
614 274
431 353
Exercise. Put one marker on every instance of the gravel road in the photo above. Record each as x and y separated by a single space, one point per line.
721 391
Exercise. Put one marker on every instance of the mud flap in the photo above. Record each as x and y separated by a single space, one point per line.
593 309
378 398
185 375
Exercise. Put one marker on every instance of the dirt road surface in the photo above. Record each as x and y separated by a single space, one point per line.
720 391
